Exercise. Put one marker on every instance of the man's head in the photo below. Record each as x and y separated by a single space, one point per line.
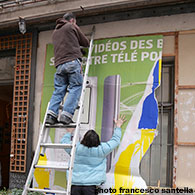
91 139
70 17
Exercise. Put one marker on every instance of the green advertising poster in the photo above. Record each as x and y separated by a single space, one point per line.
124 73
131 58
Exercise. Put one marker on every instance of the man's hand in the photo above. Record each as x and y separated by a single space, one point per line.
120 121
76 26
70 130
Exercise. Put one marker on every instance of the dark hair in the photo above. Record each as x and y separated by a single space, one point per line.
68 16
91 139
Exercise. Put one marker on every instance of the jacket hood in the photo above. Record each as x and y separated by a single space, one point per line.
60 22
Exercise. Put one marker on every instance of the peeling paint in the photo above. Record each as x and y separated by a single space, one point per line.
185 129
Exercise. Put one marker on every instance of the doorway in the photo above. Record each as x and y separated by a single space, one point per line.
6 101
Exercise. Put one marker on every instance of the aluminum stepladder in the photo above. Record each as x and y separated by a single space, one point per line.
42 140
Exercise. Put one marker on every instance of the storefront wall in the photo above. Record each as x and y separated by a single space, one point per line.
183 51
186 110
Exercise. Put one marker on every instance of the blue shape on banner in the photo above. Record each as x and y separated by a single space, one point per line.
156 76
149 117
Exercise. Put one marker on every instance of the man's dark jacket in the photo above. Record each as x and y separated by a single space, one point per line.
67 39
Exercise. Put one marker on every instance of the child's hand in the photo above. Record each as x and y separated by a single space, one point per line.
120 121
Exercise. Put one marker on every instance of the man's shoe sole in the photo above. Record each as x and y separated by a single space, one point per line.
64 123
50 123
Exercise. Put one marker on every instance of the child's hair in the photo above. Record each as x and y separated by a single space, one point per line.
91 139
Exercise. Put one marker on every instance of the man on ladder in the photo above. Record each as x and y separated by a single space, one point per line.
67 39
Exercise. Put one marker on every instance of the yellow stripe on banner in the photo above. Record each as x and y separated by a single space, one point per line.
160 68
42 175
123 173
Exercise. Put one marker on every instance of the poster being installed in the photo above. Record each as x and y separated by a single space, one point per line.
123 76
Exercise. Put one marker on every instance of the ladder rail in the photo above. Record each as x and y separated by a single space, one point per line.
79 114
47 191
36 156
45 138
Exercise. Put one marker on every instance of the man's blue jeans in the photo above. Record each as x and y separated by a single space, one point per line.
67 75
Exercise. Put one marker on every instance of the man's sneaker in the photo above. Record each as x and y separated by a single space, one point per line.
51 120
65 119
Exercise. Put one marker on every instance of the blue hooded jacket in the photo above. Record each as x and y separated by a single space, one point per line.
90 163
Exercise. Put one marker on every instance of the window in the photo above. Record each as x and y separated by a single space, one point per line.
157 165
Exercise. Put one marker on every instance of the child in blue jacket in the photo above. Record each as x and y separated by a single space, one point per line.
90 159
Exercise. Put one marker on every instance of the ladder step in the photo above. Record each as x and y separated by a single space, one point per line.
61 125
62 106
60 146
47 191
57 167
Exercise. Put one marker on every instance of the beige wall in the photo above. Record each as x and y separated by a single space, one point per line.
186 134
186 111
187 59
186 115
169 45
185 167
186 71
145 26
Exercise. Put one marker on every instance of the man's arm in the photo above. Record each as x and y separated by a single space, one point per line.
83 40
